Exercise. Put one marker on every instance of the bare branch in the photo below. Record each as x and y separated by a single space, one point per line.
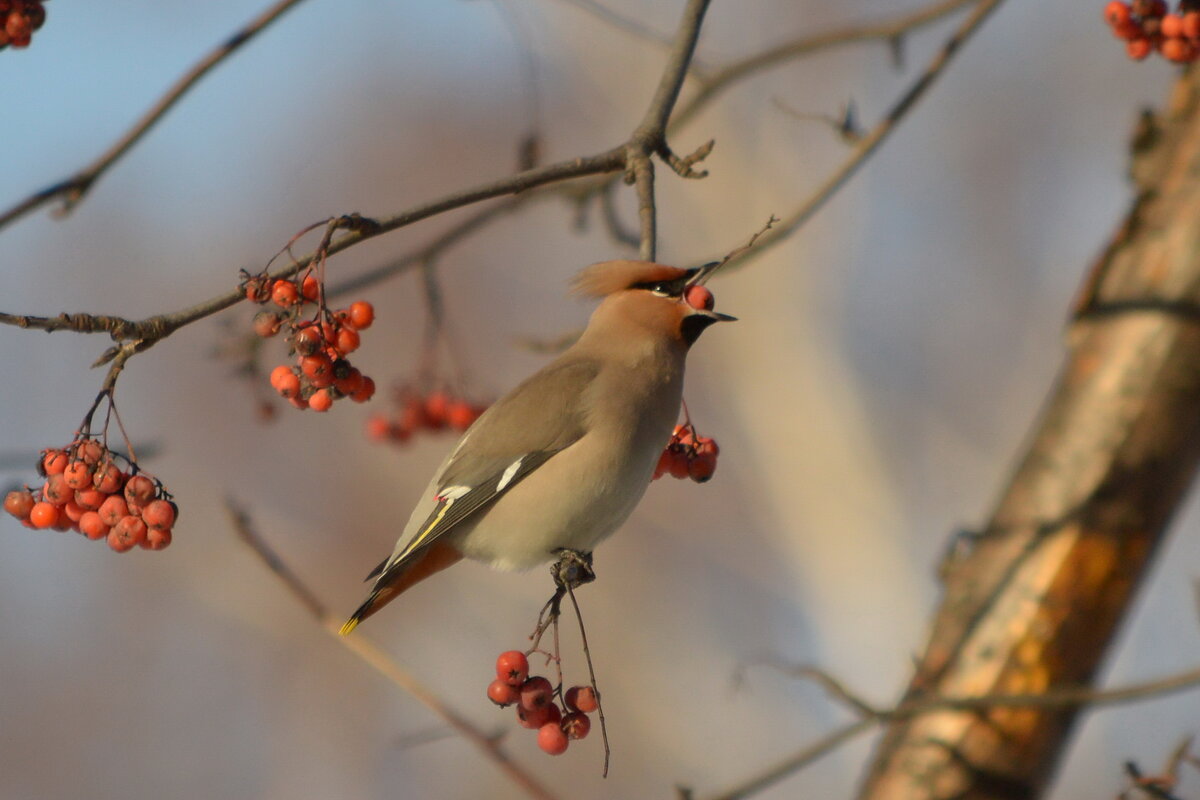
380 661
717 82
73 189
868 144
1064 697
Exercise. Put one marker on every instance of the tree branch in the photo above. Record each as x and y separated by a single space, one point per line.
377 659
866 146
73 189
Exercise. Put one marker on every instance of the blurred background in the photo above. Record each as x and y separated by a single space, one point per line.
890 359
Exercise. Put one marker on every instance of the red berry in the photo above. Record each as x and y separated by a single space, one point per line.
78 475
347 341
18 26
285 381
266 323
43 515
1138 49
318 368
678 465
437 409
1172 26
699 297
91 526
552 739
128 531
349 383
19 503
378 428
502 693
54 462
73 511
362 314
582 698
310 288
1178 50
460 414
365 392
664 464
156 539
1191 24
284 293
159 514
56 491
321 400
701 466
576 725
90 451
536 693
512 667
1116 13
705 444
112 509
534 718
108 478
139 490
308 339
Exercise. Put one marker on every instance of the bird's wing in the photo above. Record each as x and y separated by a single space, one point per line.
518 434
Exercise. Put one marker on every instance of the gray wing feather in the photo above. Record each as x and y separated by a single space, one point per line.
536 420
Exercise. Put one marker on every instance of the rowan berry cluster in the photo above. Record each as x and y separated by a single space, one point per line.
322 372
537 707
688 455
416 411
1146 27
18 20
93 491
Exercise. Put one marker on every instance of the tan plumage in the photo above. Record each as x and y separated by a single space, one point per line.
562 460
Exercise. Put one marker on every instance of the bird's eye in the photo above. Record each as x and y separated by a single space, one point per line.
661 289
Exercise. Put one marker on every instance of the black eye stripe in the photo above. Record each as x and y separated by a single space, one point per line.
672 288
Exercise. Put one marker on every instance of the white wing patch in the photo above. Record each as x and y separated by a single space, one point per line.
451 493
507 477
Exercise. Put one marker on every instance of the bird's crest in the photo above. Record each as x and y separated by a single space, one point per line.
607 277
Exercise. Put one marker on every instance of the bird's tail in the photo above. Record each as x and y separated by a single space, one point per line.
398 577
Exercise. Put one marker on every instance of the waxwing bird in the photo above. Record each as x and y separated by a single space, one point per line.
561 461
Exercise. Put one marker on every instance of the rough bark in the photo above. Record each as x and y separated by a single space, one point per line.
1042 593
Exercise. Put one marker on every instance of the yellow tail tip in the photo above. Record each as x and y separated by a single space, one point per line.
349 627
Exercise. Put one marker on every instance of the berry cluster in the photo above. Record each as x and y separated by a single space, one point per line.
416 411
88 491
322 373
688 455
536 706
1146 27
18 20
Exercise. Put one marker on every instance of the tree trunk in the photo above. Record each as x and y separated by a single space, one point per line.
1036 602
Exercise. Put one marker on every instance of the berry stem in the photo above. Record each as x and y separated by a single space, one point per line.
587 656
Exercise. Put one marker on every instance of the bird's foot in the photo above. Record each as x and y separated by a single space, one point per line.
572 569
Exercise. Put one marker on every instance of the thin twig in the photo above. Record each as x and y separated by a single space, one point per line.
376 658
802 759
587 657
1064 697
869 143
650 136
717 82
73 189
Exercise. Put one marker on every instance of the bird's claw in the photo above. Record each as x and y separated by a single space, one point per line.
572 569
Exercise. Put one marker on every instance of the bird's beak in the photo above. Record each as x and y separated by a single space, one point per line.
701 275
